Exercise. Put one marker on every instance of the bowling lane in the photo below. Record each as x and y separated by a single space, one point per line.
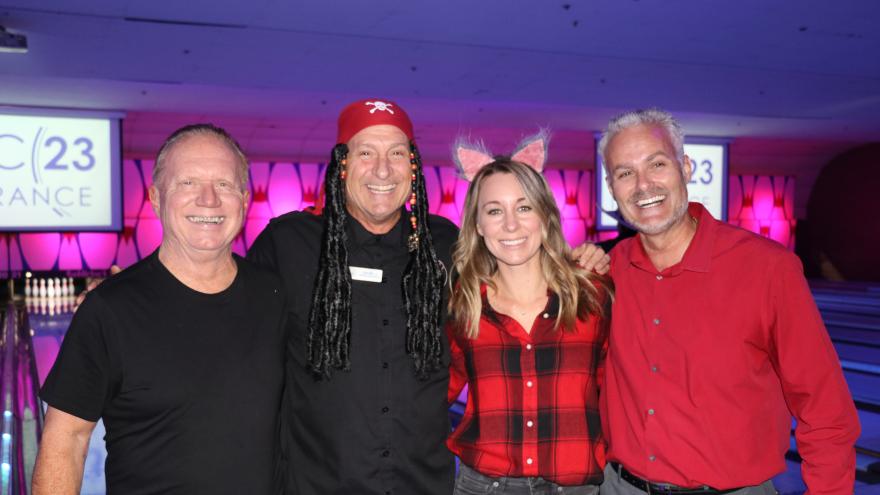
869 441
864 386
48 332
857 336
866 356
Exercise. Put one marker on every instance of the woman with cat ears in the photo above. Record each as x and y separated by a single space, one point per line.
528 333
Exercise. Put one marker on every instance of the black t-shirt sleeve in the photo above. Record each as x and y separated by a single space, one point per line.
262 251
80 380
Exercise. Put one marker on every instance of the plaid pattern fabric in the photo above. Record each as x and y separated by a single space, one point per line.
532 405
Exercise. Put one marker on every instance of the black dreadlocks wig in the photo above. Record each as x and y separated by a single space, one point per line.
329 340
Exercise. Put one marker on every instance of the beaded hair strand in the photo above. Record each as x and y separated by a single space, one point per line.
423 281
329 336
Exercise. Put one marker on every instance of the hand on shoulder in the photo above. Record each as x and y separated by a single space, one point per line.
92 283
592 257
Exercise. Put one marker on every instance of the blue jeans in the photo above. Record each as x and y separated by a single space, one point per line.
470 482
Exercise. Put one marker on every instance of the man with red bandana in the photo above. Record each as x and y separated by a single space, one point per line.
366 284
715 341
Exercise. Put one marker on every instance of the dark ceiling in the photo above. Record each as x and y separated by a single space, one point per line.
279 71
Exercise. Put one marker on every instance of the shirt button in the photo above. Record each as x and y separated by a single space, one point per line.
385 365
656 321
529 461
652 458
385 323
529 347
650 412
659 277
654 369
546 315
385 409
529 383
385 453
529 423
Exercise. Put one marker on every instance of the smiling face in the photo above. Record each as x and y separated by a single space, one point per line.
647 180
508 222
200 200
377 177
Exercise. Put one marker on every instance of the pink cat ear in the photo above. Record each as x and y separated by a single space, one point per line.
470 158
533 151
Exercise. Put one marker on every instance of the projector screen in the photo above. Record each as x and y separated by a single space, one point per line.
708 184
59 171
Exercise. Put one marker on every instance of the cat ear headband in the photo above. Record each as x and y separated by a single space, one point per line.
471 157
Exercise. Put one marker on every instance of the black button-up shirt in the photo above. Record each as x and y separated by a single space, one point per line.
376 429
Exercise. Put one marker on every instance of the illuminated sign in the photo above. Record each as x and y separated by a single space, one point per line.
59 171
708 184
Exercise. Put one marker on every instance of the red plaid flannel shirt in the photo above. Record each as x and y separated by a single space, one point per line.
532 401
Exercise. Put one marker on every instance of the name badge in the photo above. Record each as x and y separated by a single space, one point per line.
365 274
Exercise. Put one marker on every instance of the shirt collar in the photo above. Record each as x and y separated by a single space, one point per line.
698 256
360 236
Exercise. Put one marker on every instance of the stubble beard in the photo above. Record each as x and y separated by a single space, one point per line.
653 229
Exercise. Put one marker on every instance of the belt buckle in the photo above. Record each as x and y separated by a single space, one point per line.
660 488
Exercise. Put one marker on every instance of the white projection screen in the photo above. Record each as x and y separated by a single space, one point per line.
59 170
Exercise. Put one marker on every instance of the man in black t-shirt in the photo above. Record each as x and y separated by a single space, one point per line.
182 354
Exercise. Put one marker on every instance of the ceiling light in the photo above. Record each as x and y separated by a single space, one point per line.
12 42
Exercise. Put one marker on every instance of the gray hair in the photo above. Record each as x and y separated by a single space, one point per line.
650 116
201 130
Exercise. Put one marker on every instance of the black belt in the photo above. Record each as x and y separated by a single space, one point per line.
648 487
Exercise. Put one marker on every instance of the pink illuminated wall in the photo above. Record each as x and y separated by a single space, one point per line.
762 204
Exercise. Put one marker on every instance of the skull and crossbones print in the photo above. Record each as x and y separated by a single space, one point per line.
381 106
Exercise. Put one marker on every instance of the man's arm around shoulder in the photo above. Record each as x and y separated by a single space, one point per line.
62 455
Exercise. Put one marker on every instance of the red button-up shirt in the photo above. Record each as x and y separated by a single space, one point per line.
709 359
532 406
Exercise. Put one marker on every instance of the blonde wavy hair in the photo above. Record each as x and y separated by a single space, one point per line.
580 293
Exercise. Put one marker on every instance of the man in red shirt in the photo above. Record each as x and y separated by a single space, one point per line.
715 342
